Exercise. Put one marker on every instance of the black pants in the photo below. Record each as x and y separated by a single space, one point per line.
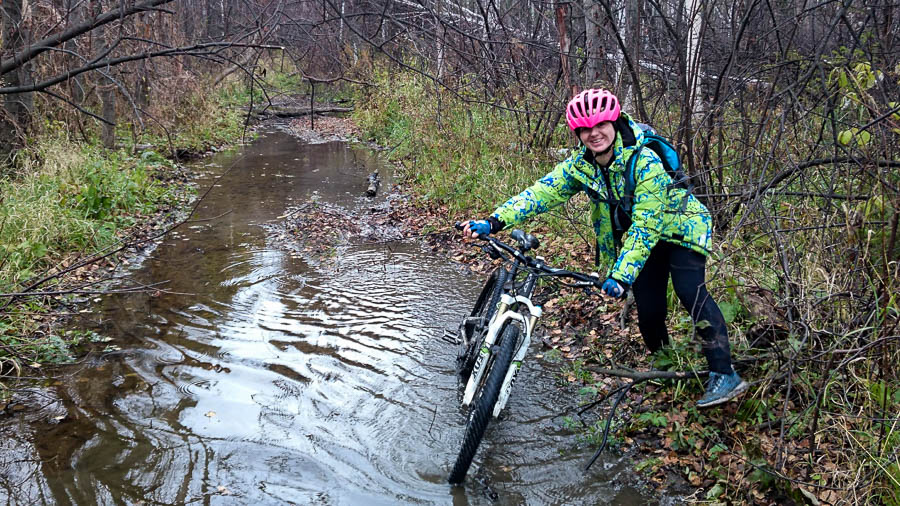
688 271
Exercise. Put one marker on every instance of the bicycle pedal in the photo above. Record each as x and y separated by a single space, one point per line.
451 337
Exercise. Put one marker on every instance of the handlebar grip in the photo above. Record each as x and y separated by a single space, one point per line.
459 225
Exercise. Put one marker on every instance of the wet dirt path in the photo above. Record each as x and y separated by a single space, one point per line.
261 377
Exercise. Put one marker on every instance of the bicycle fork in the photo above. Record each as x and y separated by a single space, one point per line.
513 372
502 316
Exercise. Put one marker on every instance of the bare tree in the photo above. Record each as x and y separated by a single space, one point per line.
14 32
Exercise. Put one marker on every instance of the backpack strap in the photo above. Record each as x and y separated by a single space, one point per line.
672 165
630 183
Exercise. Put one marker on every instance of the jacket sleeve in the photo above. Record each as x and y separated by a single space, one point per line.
551 190
654 204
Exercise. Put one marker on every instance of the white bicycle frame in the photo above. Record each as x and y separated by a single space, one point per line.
504 314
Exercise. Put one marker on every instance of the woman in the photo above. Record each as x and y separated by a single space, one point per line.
666 234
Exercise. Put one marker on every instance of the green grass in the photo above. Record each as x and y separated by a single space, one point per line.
63 201
197 122
467 156
470 158
66 199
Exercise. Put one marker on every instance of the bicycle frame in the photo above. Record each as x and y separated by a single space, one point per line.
507 313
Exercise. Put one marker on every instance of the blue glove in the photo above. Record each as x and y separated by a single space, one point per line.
480 227
613 288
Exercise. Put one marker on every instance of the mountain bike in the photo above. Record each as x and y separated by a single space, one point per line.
495 336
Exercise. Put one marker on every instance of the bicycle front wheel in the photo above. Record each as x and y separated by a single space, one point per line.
485 307
483 407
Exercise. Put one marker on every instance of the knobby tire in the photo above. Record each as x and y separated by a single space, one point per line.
485 306
484 404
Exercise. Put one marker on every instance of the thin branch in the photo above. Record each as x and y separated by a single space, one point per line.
45 44
180 51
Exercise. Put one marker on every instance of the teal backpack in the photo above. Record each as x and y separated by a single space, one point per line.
670 161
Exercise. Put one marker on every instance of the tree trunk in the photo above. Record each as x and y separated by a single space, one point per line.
18 106
694 17
693 106
142 90
593 48
564 47
439 34
214 20
75 16
108 113
630 28
341 29
619 21
106 89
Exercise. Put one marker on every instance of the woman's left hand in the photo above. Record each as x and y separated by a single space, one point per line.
612 288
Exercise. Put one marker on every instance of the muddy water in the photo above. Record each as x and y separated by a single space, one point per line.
260 378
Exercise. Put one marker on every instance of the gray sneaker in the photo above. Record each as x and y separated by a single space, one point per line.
721 388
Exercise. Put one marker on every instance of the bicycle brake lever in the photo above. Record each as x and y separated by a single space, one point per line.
491 251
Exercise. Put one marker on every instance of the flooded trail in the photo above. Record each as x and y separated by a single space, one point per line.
258 377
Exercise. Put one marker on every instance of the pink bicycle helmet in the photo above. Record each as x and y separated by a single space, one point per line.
590 107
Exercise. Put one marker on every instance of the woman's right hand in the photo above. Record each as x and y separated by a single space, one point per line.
477 228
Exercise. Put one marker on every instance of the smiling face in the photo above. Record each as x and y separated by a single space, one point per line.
599 138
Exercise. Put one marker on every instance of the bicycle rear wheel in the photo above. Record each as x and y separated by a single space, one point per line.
483 406
485 306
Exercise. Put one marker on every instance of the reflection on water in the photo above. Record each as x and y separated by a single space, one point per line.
258 378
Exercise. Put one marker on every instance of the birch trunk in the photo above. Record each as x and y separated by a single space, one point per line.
694 18
619 22
630 28
440 33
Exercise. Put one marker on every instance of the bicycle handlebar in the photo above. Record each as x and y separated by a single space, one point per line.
527 242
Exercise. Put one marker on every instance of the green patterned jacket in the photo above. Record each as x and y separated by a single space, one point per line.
656 211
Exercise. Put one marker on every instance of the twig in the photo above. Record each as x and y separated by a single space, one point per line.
641 376
607 396
638 377
609 418
623 315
